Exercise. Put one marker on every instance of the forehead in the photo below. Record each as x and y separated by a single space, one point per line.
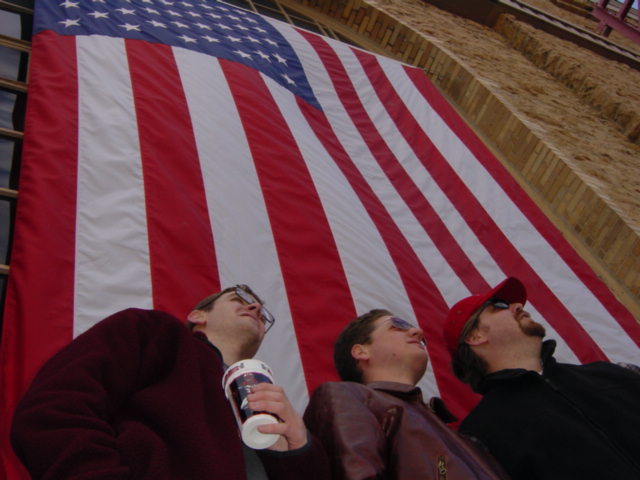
227 296
381 323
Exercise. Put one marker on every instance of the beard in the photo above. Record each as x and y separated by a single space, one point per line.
533 329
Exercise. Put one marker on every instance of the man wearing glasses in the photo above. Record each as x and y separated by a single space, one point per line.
139 396
541 419
375 423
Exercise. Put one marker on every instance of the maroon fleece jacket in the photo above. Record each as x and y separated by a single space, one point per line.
139 396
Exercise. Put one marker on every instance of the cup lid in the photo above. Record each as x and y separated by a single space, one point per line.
252 437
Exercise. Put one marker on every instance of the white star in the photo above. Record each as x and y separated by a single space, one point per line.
194 14
279 58
252 20
264 56
130 27
241 27
68 4
208 7
224 27
99 14
271 42
126 11
157 24
224 9
261 30
188 39
175 14
254 40
166 3
203 26
243 54
211 39
213 15
187 4
289 81
234 39
147 1
71 23
180 25
97 1
152 10
233 17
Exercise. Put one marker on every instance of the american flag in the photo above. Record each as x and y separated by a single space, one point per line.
172 148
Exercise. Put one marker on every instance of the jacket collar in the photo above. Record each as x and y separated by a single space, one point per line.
413 394
493 379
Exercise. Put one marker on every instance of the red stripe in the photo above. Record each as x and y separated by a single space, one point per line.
489 234
544 226
183 260
424 296
36 322
316 285
397 175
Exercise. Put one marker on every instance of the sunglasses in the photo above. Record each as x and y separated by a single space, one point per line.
401 324
499 304
265 315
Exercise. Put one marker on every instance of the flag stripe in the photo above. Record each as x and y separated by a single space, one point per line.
537 218
244 242
506 255
551 260
309 259
183 260
390 164
362 250
423 295
48 173
112 254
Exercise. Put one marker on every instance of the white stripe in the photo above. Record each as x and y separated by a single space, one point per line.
245 248
536 251
448 283
112 257
371 273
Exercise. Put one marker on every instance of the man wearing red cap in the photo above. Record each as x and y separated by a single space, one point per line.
541 419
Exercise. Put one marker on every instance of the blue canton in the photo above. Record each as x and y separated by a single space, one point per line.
205 26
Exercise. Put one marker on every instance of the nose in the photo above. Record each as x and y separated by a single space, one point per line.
517 307
255 306
416 332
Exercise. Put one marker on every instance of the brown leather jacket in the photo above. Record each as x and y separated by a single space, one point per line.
384 430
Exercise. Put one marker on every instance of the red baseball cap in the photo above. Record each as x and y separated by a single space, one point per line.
510 290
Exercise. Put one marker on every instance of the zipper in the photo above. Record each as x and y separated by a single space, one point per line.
442 467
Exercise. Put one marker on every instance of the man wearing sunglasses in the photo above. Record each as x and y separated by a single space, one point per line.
375 423
139 396
541 419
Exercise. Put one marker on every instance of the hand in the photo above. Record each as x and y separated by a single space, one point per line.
271 398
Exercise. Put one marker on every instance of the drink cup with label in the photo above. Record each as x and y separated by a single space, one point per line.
237 382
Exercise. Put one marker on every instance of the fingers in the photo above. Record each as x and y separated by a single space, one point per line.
271 398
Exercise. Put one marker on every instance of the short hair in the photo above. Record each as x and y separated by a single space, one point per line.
467 365
206 304
358 331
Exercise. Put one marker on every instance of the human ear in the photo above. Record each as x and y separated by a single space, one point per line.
198 317
359 352
475 338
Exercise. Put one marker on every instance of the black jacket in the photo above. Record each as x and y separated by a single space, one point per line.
572 422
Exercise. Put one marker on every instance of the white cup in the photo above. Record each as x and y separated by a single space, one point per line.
237 382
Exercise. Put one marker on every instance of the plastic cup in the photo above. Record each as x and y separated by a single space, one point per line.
237 382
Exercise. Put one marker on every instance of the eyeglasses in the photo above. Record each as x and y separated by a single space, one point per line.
248 297
401 324
497 303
